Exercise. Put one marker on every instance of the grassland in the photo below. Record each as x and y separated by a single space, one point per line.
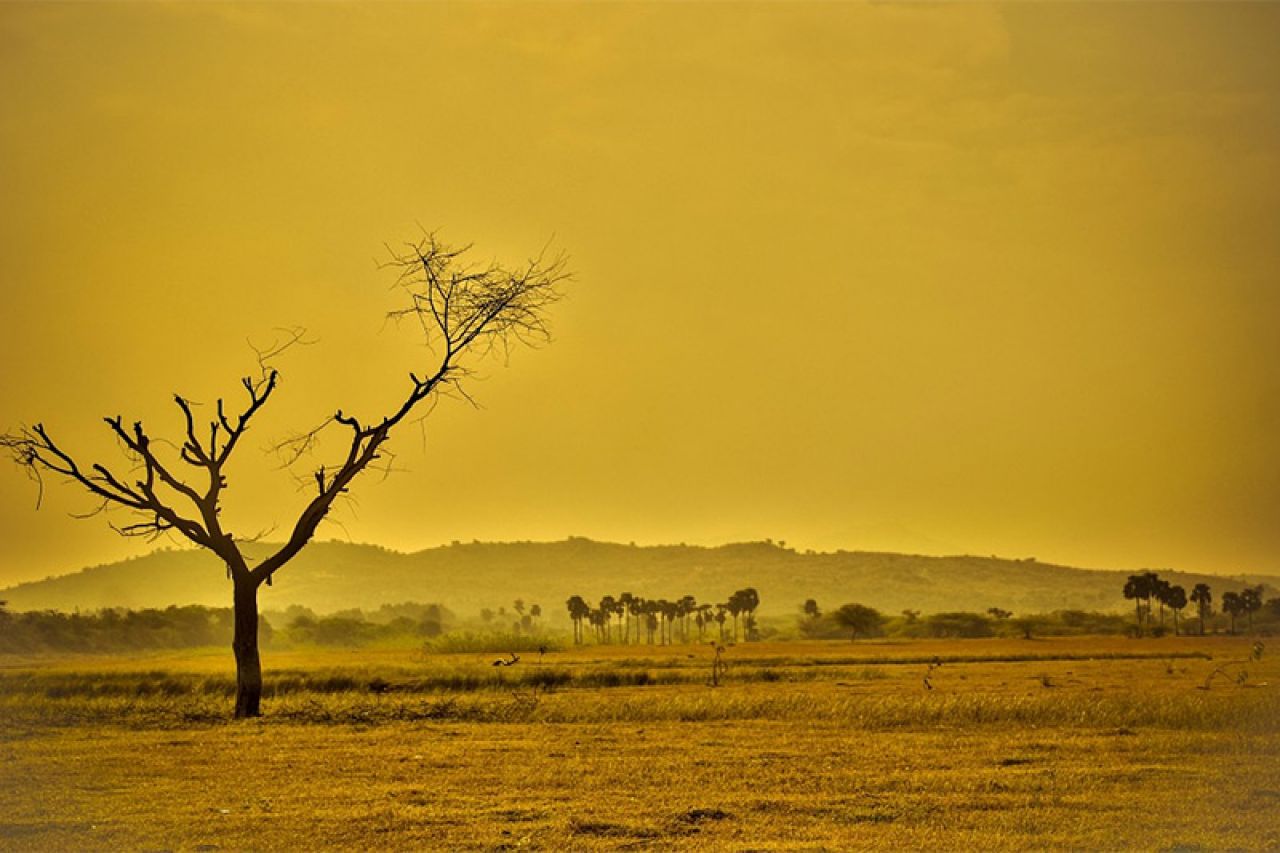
1070 743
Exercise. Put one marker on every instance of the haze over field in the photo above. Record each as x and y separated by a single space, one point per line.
926 278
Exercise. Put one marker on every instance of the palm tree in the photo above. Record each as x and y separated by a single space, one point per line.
647 612
1250 601
735 608
1233 606
811 610
1137 588
688 604
671 611
603 623
626 600
1203 598
704 618
636 609
1176 598
607 604
619 610
578 610
1152 589
750 602
721 609
1160 591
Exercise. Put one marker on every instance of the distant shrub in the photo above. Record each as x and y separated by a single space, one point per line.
958 624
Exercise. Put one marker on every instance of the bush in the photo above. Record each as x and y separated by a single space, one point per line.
958 624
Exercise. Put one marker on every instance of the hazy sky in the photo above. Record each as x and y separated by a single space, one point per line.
943 279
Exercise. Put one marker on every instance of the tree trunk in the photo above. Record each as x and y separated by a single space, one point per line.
245 646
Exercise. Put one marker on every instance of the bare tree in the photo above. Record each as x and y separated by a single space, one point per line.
465 310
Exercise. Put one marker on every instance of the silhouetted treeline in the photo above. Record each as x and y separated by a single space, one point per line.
120 630
1147 590
663 621
116 630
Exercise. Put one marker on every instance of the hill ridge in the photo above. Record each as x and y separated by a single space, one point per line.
335 575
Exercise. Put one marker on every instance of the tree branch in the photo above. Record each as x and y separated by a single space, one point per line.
464 311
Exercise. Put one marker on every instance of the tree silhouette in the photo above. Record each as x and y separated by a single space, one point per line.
735 607
635 609
1251 602
1233 606
1139 588
858 619
578 611
465 311
670 612
607 606
811 610
1160 589
619 609
704 619
626 599
750 603
687 604
1202 596
1176 598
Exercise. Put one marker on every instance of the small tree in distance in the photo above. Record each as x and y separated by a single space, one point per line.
464 310
858 619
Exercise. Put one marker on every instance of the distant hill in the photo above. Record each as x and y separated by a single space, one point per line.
331 576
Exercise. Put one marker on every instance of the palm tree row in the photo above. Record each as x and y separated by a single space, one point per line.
1147 587
630 618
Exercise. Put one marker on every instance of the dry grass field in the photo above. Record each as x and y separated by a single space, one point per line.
1095 743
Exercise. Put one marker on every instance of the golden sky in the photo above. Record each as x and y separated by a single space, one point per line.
930 278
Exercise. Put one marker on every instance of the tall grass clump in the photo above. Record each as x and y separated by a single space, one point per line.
464 642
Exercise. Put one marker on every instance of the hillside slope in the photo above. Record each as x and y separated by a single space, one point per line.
331 576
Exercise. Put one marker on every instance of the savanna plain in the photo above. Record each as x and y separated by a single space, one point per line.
1095 743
